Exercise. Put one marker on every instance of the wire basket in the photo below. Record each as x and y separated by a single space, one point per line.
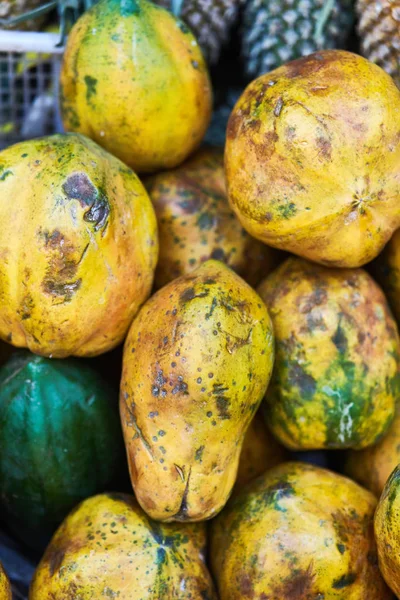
29 85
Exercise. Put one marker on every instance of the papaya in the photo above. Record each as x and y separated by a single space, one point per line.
387 531
335 379
197 361
386 269
108 548
372 466
260 452
297 532
135 81
196 223
60 440
5 586
312 158
78 237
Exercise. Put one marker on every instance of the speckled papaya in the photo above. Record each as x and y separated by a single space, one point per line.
260 452
5 587
196 223
386 269
197 361
78 241
108 548
371 467
312 158
134 80
387 531
298 532
335 379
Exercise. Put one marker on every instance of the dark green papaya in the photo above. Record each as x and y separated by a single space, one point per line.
60 441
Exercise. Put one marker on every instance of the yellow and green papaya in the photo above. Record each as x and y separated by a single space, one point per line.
387 531
5 586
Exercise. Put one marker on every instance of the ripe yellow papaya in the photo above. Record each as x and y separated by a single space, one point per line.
387 531
78 241
197 361
312 158
108 548
297 532
196 223
134 80
335 380
5 587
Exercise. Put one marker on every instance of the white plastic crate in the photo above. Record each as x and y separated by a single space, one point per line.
29 85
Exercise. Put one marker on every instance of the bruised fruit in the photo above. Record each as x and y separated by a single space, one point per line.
197 361
387 531
312 158
335 379
108 548
79 246
135 81
196 222
297 532
5 587
60 440
371 467
386 268
260 452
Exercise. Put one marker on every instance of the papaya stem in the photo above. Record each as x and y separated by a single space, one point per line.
176 7
326 11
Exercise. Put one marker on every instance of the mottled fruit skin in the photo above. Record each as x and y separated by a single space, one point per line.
387 531
371 467
196 222
260 452
134 80
335 379
386 269
197 362
312 158
78 241
108 548
5 587
298 532
60 440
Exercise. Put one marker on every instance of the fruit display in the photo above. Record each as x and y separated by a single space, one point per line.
387 531
109 548
379 30
298 531
335 380
276 31
138 85
42 401
324 126
196 223
80 256
197 362
5 587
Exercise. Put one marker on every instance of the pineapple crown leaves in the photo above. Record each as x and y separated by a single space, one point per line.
176 7
323 20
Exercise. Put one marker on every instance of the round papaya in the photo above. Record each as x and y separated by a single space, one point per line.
386 269
372 466
335 379
5 586
387 531
108 548
196 223
78 237
312 158
60 440
197 361
298 531
134 80
260 452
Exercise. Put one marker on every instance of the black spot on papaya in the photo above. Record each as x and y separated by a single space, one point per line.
190 294
79 187
190 206
305 382
26 307
222 401
298 585
344 581
340 340
218 254
91 84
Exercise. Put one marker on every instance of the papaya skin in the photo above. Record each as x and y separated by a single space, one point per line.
5 586
79 246
335 379
134 80
298 532
196 223
197 361
386 269
108 548
372 467
387 531
260 452
312 158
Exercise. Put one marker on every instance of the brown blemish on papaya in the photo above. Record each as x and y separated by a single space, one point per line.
62 267
297 586
55 558
234 124
246 586
79 187
306 66
190 294
324 148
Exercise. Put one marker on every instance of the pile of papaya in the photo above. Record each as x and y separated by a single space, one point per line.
200 359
